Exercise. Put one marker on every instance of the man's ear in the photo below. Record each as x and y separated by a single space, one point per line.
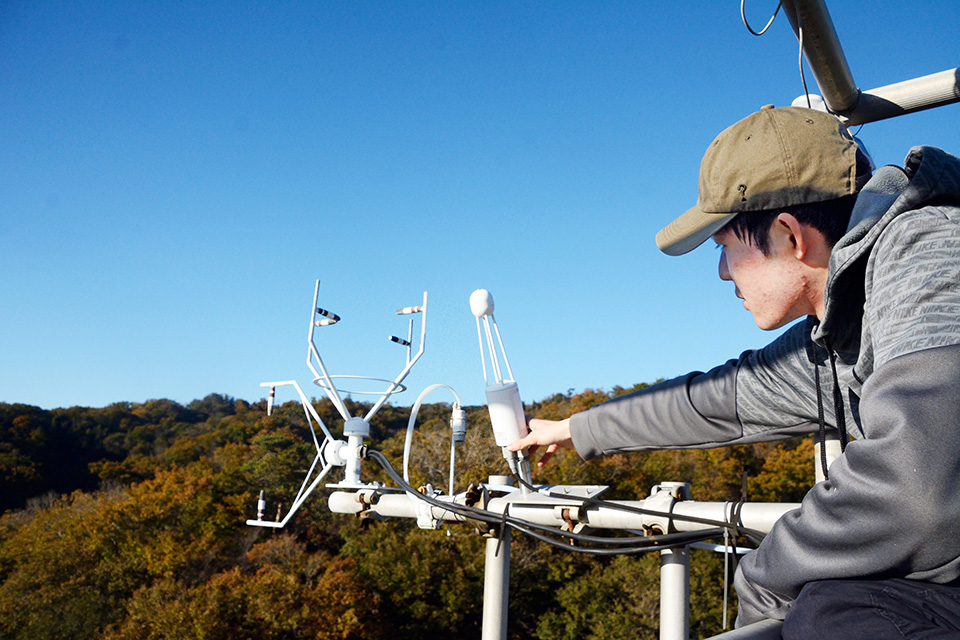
790 230
806 243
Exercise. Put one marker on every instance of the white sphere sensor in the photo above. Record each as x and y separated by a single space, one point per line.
481 303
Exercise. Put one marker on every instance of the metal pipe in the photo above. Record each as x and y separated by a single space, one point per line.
675 594
813 26
496 586
821 46
925 92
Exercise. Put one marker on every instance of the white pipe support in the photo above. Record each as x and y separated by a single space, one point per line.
662 502
345 502
453 462
758 516
675 594
390 505
425 517
351 455
496 586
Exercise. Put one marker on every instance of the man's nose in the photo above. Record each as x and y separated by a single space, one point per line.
724 272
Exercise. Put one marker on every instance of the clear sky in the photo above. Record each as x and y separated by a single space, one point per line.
174 176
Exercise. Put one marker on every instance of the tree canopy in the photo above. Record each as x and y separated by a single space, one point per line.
128 522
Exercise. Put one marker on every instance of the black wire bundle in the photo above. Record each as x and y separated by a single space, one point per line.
621 545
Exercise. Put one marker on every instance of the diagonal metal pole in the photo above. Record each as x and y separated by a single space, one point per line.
813 26
821 46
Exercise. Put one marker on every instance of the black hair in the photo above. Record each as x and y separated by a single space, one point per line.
830 217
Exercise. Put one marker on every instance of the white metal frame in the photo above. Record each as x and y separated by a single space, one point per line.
331 452
548 507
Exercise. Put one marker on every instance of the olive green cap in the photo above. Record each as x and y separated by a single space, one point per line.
772 159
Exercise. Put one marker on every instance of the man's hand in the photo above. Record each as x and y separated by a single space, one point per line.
551 434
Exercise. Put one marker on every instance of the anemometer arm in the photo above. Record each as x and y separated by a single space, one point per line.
422 310
327 456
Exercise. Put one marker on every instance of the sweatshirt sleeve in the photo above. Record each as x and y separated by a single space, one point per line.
891 507
762 395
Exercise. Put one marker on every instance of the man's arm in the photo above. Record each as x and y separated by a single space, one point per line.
763 395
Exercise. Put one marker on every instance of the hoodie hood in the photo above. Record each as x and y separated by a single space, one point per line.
929 176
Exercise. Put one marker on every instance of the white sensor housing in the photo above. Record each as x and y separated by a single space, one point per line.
506 413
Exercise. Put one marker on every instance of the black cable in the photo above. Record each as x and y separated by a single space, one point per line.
686 539
743 16
821 421
642 545
751 534
518 523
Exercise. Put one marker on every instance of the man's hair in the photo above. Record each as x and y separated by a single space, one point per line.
830 217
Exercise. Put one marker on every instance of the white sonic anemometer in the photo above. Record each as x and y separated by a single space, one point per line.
503 396
331 452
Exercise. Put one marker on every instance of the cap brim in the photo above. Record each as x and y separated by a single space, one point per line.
690 230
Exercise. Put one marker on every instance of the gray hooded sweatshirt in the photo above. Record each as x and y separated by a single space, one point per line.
891 507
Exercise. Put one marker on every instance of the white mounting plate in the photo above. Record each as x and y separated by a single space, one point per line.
574 491
559 494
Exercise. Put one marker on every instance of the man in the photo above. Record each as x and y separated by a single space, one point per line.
874 551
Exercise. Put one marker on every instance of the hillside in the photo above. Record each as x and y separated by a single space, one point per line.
128 522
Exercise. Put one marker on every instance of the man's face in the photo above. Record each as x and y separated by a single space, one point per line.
771 286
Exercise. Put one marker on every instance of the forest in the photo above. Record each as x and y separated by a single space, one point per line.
128 522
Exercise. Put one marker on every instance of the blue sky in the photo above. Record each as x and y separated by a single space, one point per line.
175 176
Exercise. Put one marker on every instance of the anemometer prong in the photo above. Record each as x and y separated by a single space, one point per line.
395 385
334 318
409 310
312 353
328 318
406 311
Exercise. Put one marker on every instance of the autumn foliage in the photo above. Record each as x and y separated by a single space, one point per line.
127 522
